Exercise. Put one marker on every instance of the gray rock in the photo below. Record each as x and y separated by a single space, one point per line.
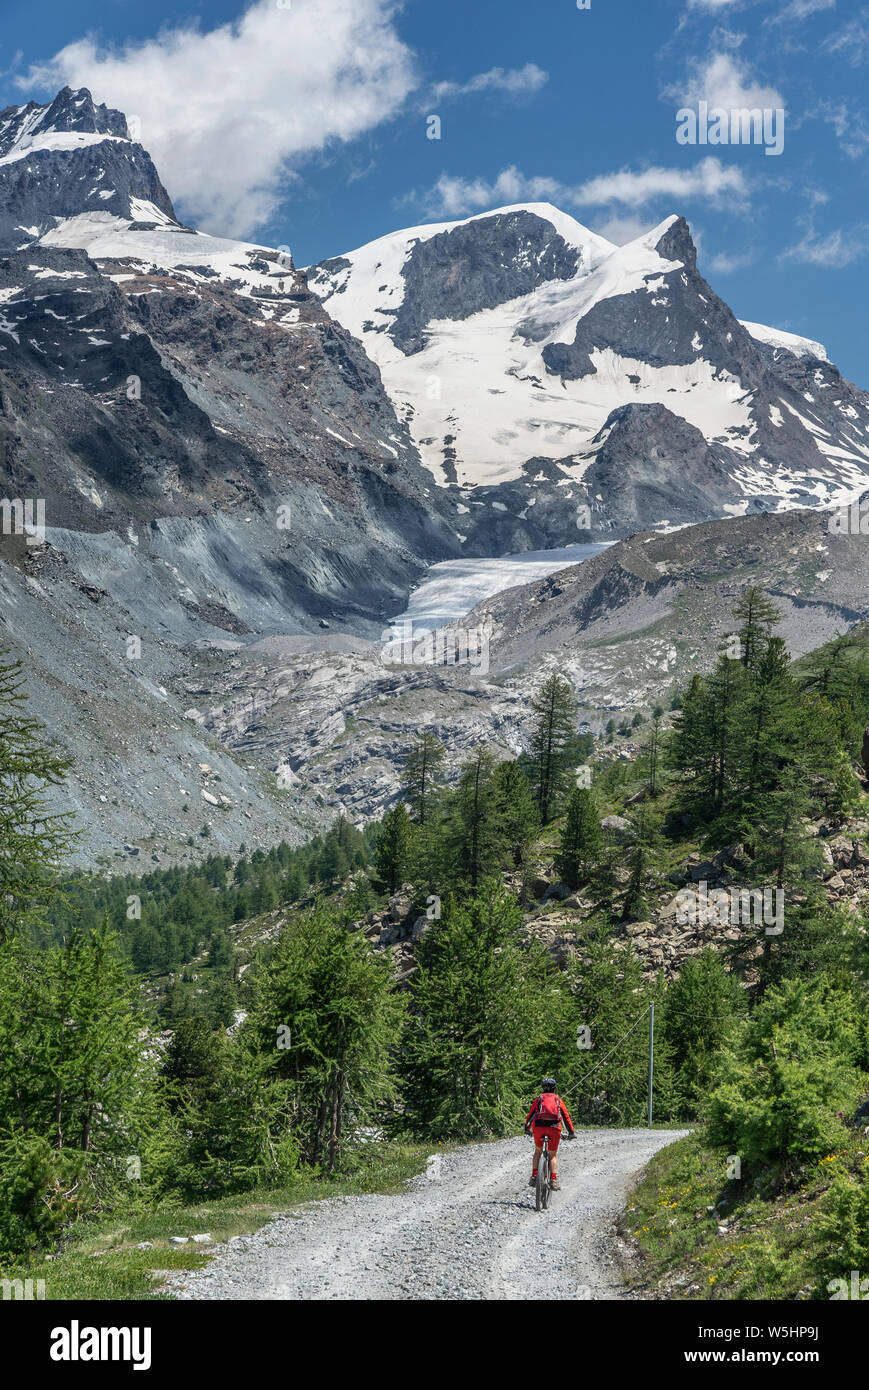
618 827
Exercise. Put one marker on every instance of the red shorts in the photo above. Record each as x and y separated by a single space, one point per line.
554 1132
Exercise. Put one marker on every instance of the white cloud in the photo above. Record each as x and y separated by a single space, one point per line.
513 82
802 9
709 179
833 251
725 263
230 114
454 197
850 127
712 4
621 230
723 81
851 42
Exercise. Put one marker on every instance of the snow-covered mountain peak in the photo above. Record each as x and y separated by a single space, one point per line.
67 158
71 121
399 284
519 347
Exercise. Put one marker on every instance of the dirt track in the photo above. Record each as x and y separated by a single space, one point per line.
468 1231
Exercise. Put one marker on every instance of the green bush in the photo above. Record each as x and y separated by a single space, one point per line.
845 1228
773 1112
41 1193
780 1087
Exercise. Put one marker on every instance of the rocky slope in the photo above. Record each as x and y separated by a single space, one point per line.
215 456
626 626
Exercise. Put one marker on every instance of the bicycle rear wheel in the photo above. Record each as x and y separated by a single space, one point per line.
541 1192
541 1182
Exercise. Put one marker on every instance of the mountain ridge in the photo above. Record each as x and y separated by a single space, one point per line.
636 325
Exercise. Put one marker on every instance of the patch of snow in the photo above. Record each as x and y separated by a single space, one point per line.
776 337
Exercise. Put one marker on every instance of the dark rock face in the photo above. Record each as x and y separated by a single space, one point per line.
171 401
40 186
478 266
865 748
653 463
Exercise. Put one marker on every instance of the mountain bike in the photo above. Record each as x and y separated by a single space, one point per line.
543 1187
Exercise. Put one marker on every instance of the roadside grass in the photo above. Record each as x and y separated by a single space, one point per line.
100 1259
773 1246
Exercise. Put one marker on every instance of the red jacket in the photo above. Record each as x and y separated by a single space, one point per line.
562 1111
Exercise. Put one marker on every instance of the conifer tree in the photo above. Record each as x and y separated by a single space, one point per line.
33 840
701 1009
653 752
515 812
757 616
394 850
642 860
421 771
601 1063
324 1023
552 743
482 1011
581 841
474 828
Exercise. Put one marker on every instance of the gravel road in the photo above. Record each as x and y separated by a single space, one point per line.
465 1229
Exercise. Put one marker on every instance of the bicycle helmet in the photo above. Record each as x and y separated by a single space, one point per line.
549 1083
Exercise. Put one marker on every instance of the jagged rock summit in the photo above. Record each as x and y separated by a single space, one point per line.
70 158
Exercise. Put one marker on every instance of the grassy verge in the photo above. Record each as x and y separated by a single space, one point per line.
699 1235
128 1257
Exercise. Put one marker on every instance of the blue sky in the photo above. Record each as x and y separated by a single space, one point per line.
304 123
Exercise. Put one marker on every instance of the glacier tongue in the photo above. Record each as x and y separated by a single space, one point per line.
452 588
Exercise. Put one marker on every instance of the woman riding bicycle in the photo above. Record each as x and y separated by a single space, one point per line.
545 1116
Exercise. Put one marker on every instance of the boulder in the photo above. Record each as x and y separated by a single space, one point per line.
618 827
639 928
841 850
683 906
559 890
704 872
730 857
400 903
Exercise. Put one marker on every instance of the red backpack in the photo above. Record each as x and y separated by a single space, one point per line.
548 1109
